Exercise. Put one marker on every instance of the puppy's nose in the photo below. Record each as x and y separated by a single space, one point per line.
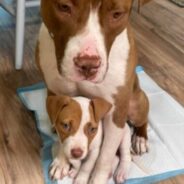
87 65
76 152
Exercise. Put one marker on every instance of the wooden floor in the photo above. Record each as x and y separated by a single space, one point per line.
159 33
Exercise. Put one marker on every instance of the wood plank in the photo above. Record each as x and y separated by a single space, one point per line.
160 59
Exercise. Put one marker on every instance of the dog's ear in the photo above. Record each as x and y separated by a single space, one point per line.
100 108
141 3
54 105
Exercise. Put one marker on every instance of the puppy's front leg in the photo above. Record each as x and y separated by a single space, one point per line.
112 139
76 164
60 166
87 167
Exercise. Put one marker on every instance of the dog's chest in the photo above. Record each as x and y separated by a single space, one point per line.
105 90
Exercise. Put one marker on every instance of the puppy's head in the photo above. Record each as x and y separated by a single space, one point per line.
84 32
76 121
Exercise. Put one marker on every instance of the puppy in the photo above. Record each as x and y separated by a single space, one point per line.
77 122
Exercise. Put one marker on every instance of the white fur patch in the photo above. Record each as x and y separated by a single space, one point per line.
76 43
79 139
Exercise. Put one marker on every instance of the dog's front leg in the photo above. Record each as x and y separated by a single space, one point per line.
122 170
112 139
60 165
87 167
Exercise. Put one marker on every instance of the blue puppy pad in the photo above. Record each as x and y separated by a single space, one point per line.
166 126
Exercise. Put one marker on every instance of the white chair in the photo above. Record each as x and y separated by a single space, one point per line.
21 5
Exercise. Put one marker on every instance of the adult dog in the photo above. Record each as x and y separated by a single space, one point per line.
87 48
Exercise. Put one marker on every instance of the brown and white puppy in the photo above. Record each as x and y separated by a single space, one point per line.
77 122
87 48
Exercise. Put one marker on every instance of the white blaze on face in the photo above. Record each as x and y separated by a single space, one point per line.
90 37
116 74
79 140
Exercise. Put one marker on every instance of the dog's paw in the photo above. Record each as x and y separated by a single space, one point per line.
58 169
139 145
82 178
121 172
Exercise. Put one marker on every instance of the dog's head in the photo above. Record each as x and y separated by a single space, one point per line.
76 121
83 32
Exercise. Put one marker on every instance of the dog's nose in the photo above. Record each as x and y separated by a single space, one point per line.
87 65
76 152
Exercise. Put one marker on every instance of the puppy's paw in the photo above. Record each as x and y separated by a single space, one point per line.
58 169
73 173
139 145
121 173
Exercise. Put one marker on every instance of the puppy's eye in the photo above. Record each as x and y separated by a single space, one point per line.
66 126
64 8
92 130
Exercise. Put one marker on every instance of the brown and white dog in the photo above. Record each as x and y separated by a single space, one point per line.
87 48
77 122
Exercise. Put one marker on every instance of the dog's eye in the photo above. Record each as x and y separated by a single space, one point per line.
116 15
92 130
66 126
64 8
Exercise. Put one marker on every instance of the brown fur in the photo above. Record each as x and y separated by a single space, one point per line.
112 27
62 25
134 104
98 108
125 92
64 110
92 124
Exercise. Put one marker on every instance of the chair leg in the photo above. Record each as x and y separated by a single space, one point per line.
20 21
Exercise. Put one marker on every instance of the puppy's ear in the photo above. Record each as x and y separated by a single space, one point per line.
54 105
100 108
141 3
